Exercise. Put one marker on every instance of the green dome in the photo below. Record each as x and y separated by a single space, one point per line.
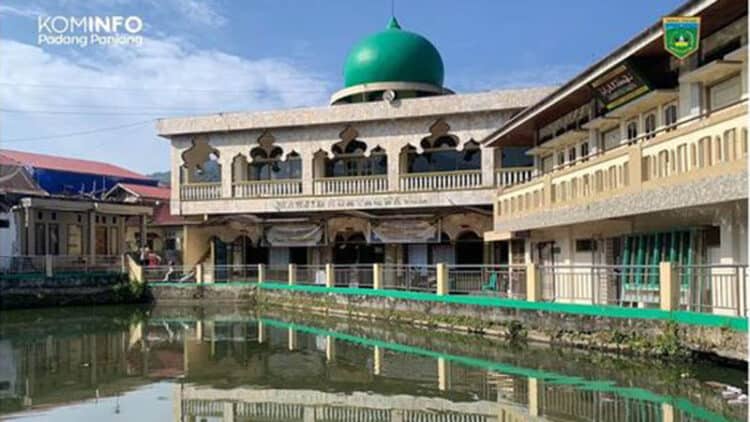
393 55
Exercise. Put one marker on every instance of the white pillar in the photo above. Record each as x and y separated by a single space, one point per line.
444 376
377 360
488 167
226 175
394 167
330 349
307 157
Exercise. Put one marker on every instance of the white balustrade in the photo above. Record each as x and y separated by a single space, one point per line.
266 188
351 185
512 175
416 182
200 191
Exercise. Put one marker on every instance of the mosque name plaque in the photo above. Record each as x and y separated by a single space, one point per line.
619 86
385 201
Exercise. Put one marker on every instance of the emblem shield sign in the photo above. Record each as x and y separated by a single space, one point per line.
681 35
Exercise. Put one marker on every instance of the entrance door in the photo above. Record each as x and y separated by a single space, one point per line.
101 240
469 249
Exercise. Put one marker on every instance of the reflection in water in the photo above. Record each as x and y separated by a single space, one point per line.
124 363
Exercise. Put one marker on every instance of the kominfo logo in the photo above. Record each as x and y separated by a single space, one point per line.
83 31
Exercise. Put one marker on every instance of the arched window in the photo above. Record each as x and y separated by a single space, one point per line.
208 172
351 161
632 131
670 116
268 165
441 155
649 125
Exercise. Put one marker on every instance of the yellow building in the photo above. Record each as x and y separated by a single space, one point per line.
639 159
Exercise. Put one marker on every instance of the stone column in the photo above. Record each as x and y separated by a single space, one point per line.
330 349
330 276
92 234
228 414
292 274
307 159
669 287
261 332
377 360
226 174
261 273
443 374
292 339
394 166
667 413
534 397
377 276
488 167
533 283
442 279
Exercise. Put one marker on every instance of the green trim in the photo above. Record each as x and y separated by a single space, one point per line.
683 317
546 376
735 323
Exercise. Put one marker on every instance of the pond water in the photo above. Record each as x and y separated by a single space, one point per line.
232 363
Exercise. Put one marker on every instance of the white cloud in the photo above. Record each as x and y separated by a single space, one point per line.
199 11
164 76
27 11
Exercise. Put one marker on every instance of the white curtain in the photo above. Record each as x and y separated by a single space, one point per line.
405 231
278 257
443 254
294 234
417 254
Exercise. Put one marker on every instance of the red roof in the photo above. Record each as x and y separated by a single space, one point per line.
75 165
7 161
147 192
162 216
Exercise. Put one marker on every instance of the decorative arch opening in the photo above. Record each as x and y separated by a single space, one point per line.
440 152
200 163
469 248
351 248
267 161
350 159
241 251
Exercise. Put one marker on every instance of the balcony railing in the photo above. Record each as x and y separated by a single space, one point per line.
513 176
351 185
420 182
200 191
694 149
266 188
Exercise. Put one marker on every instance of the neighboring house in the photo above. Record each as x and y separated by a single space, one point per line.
72 176
165 231
53 206
15 183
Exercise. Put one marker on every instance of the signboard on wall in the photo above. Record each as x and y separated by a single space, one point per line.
619 86
681 35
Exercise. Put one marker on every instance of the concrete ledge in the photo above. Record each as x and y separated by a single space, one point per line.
645 331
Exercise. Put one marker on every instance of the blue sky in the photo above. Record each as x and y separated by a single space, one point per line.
201 56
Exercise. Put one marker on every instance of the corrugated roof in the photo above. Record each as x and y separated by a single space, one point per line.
74 165
147 192
164 217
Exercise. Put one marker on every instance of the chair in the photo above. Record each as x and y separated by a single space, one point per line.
491 283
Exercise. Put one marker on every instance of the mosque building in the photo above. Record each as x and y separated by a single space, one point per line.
391 171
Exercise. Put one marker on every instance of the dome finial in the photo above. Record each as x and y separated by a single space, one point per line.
393 23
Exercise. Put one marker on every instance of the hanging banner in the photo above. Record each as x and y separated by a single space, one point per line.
405 231
681 35
291 235
619 86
